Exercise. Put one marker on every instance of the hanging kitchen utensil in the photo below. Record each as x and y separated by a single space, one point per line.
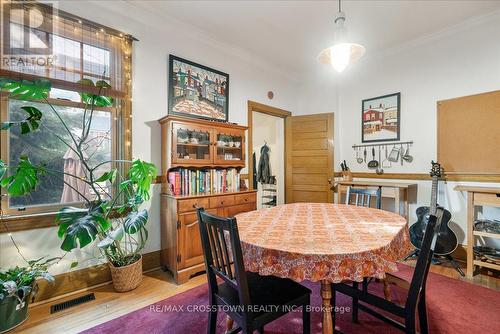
364 155
379 170
401 154
358 158
394 155
373 164
386 163
407 157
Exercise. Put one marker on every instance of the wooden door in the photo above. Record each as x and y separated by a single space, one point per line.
190 249
309 158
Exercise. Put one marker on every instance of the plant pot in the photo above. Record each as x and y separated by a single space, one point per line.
128 277
12 314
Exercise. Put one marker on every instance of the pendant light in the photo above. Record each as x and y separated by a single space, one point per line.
342 53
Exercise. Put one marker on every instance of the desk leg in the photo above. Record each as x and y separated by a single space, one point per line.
470 235
326 295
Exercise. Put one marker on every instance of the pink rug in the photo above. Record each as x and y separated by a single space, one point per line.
453 307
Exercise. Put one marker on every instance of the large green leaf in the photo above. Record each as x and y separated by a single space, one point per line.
66 216
29 124
142 174
25 89
24 180
115 235
97 100
135 221
108 176
81 232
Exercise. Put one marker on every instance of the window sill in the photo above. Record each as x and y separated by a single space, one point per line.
16 223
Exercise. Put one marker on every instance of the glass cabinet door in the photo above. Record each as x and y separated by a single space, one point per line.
229 147
191 144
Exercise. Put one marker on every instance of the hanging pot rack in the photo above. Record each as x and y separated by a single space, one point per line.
384 144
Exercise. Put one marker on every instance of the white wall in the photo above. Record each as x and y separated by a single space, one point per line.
250 79
462 61
269 130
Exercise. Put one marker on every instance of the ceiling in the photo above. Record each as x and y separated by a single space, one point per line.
292 33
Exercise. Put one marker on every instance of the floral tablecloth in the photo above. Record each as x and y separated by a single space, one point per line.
320 241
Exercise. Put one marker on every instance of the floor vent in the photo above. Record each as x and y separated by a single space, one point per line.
70 303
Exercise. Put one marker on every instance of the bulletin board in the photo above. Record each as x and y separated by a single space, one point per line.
468 131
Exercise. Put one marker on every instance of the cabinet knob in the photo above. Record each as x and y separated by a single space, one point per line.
246 199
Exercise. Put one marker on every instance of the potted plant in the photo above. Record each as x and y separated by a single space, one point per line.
17 286
110 216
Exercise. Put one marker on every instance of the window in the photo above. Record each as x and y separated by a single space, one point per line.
80 50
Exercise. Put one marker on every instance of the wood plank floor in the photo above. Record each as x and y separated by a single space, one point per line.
157 285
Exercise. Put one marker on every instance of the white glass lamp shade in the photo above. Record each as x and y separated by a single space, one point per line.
341 55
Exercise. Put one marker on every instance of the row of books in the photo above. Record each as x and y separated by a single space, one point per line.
199 182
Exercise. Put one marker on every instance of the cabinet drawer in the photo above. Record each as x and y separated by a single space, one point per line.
240 208
487 199
245 198
186 205
219 201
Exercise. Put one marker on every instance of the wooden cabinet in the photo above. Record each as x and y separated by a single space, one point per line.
181 251
197 144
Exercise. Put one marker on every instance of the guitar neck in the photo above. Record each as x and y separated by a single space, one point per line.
434 194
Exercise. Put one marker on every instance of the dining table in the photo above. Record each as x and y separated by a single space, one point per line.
324 243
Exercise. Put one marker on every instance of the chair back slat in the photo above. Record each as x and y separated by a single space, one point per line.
419 278
219 256
363 197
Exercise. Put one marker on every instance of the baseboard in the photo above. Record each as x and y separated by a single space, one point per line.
88 277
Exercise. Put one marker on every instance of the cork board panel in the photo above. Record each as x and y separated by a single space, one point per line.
468 132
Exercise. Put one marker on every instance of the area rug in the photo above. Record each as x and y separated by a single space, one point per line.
453 307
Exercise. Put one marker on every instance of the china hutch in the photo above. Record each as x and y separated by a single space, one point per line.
201 161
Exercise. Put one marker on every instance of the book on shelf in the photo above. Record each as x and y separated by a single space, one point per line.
183 181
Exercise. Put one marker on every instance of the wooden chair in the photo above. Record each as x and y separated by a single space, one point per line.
416 291
246 296
363 196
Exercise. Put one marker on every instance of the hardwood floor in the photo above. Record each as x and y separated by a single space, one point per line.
157 285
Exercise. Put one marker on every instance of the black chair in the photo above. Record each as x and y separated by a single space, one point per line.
416 291
363 196
251 300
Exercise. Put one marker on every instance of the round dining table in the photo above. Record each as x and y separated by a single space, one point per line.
322 242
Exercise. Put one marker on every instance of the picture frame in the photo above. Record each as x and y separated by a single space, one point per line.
381 118
197 91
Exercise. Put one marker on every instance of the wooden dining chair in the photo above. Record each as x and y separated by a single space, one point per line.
363 197
251 300
416 291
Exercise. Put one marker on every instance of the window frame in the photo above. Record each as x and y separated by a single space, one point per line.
121 133
8 211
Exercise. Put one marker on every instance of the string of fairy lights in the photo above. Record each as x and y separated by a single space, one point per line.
78 27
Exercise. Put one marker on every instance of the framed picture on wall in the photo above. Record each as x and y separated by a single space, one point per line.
197 91
380 118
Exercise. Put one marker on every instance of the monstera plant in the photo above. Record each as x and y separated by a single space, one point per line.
110 216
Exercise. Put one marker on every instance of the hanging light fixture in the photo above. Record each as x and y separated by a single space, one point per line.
342 53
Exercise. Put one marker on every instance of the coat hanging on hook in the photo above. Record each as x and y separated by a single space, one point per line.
264 172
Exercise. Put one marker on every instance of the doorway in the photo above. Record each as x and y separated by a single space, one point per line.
266 153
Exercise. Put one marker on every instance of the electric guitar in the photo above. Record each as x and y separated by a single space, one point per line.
446 241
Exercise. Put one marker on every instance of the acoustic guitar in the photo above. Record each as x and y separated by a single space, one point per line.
446 241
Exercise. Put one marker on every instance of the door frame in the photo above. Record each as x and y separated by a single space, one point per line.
268 110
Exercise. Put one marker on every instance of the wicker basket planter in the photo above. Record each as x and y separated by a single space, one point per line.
126 278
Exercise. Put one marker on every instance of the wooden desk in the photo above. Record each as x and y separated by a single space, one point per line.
399 191
478 196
